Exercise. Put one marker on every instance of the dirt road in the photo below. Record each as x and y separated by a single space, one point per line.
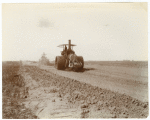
125 80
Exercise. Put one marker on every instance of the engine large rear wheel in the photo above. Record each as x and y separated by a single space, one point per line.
60 62
81 60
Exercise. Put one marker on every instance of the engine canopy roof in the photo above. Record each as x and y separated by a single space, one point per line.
62 45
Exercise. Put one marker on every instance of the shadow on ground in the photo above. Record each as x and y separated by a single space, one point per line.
82 70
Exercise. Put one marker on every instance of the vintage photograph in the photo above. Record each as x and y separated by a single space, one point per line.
75 60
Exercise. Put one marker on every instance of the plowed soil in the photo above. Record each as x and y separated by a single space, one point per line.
95 92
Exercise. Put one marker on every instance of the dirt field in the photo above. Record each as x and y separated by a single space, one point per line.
101 90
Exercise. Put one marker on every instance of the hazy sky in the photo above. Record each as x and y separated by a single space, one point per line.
101 31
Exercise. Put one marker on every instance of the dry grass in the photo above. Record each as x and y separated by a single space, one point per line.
13 93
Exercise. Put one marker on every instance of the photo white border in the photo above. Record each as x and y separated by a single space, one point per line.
67 1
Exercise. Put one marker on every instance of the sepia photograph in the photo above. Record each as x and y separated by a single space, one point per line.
75 60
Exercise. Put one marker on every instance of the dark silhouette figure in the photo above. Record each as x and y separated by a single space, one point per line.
65 49
66 64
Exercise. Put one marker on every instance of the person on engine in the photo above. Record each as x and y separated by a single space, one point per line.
65 49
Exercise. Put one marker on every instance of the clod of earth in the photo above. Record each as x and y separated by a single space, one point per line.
84 105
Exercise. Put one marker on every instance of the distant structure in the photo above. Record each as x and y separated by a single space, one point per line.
44 60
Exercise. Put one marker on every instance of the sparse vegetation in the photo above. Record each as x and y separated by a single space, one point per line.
14 91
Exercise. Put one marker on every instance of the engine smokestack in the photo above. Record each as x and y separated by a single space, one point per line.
69 44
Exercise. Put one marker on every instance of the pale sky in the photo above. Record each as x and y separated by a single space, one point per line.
101 31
